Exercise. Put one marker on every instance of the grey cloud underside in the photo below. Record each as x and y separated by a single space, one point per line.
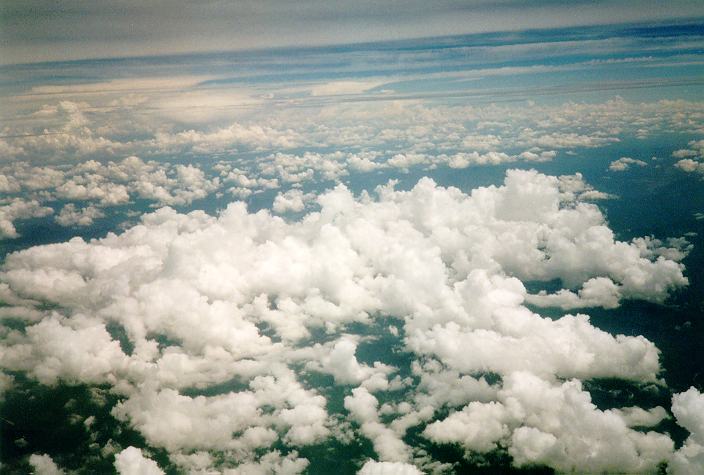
448 266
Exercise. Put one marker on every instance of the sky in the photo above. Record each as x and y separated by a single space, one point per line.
37 30
464 238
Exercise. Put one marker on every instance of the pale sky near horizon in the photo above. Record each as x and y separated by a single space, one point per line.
34 31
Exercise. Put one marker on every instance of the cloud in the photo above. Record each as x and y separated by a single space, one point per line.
120 85
600 441
340 361
639 417
131 462
233 137
688 165
372 467
230 304
696 149
387 444
235 421
555 140
343 87
292 200
44 465
19 209
624 163
272 462
308 139
596 292
8 184
691 158
75 350
478 427
95 189
111 184
688 408
71 216
539 418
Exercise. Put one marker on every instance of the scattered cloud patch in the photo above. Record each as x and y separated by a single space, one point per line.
691 158
44 465
372 467
131 461
624 163
19 209
72 216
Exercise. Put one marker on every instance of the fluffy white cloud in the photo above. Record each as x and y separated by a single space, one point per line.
44 465
550 434
624 163
272 463
94 188
690 166
75 350
112 184
553 424
293 200
18 209
691 158
233 301
596 292
639 417
231 138
372 467
71 216
363 408
478 427
9 184
696 149
688 408
531 138
131 461
235 421
35 178
339 360
6 383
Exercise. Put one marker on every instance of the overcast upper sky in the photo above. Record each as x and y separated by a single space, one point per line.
38 30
